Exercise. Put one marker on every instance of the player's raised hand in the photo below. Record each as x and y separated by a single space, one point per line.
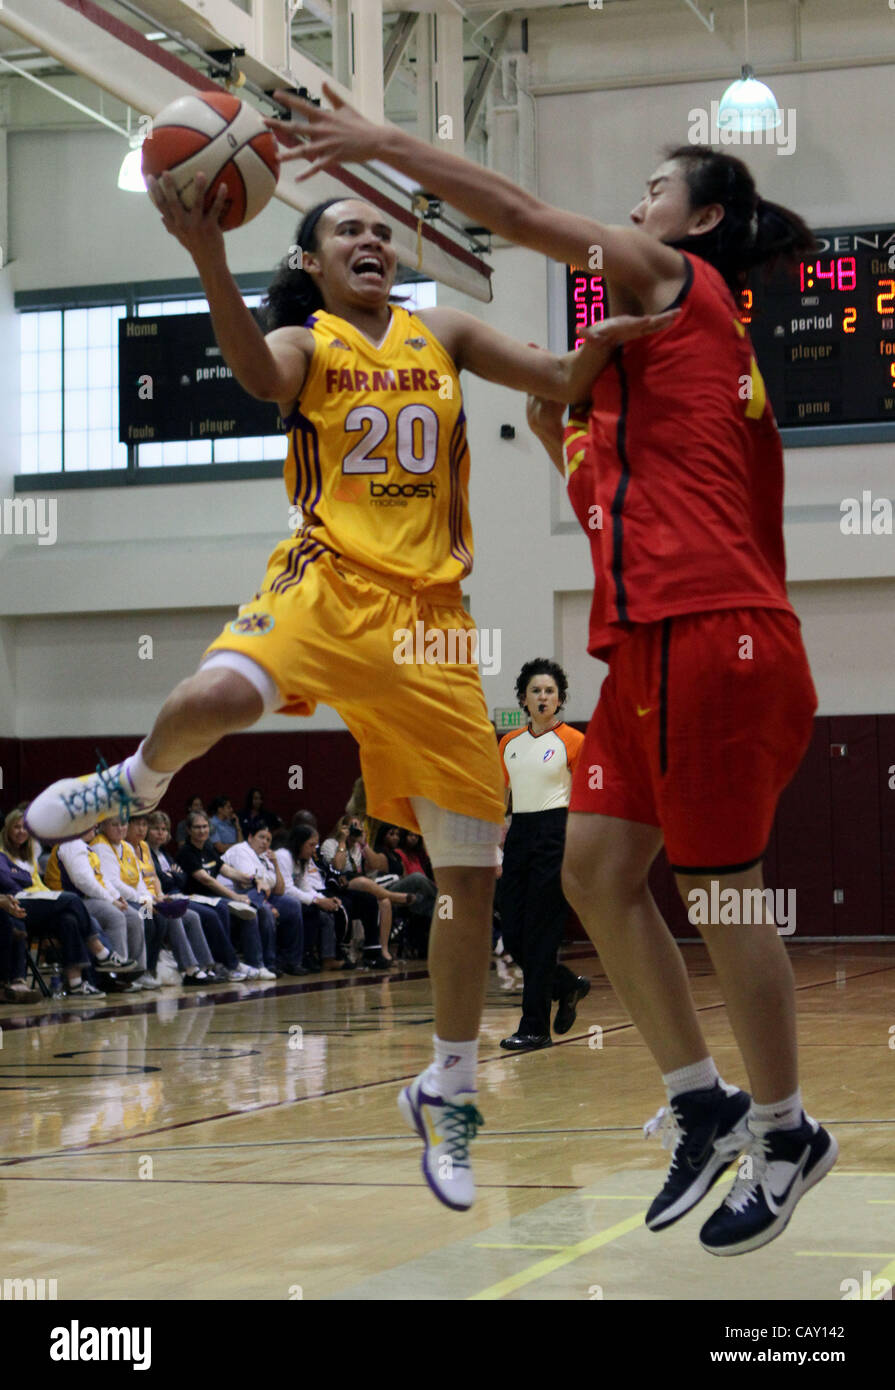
545 418
196 228
624 328
325 137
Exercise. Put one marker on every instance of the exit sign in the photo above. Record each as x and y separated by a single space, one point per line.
507 719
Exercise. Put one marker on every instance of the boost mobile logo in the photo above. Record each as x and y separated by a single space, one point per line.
402 489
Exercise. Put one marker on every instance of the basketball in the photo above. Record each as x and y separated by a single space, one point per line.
225 139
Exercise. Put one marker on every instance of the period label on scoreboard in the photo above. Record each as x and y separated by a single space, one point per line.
173 384
824 336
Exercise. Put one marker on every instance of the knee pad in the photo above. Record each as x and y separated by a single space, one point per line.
456 841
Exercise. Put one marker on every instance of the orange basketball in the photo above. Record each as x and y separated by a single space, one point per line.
227 140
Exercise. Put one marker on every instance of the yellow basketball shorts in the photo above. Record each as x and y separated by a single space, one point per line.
328 632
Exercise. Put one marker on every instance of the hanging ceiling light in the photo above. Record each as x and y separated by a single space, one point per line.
130 175
748 104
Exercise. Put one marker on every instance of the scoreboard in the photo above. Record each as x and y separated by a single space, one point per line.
824 337
173 384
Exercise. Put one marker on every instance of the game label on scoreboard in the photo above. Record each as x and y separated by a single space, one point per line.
824 336
174 385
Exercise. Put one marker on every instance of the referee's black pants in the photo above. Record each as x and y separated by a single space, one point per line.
533 911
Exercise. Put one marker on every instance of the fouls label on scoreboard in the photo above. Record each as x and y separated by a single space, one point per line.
174 385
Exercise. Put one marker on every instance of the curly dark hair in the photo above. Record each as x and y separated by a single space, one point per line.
542 666
752 232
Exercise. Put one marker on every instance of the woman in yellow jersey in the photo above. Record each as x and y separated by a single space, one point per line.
361 606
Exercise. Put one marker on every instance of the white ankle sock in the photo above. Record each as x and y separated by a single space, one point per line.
780 1114
454 1067
145 780
698 1076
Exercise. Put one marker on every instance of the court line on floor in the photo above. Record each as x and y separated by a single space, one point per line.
299 1182
494 1134
362 1086
566 1256
15 1023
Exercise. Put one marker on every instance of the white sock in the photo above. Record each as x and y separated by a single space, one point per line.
454 1067
146 782
698 1076
780 1114
105 955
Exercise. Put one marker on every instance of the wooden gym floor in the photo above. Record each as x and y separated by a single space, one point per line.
245 1143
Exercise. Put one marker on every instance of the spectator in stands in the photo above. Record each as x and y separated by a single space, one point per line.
303 817
387 859
346 852
194 805
75 868
208 940
13 939
122 871
208 875
174 880
255 809
60 917
224 824
325 917
279 916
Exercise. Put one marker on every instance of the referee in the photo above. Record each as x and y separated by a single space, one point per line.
538 762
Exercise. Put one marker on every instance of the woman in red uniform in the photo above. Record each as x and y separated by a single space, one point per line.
707 709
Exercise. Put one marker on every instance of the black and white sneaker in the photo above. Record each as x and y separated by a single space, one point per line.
774 1172
120 964
707 1130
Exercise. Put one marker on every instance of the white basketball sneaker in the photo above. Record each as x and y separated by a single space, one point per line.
74 804
446 1128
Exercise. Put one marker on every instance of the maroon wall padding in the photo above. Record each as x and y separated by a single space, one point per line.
835 824
854 799
804 839
329 764
885 781
9 772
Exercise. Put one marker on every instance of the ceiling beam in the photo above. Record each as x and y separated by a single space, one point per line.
397 45
483 72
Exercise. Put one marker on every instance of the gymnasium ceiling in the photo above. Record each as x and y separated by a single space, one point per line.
571 46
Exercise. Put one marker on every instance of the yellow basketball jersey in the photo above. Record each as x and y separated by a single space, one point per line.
378 464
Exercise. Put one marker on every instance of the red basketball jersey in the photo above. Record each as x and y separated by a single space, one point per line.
680 485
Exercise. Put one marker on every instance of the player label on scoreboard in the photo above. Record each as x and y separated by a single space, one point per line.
507 719
173 384
824 336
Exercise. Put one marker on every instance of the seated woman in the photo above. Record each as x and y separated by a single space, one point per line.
12 954
122 872
60 917
275 908
174 881
194 806
386 858
346 852
223 824
208 938
208 876
255 809
75 868
325 917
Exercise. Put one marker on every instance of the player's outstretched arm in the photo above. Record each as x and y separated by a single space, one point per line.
545 420
271 368
478 348
628 256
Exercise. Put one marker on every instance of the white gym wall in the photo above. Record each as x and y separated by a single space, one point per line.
169 561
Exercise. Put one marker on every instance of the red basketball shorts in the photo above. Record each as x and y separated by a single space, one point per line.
702 721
